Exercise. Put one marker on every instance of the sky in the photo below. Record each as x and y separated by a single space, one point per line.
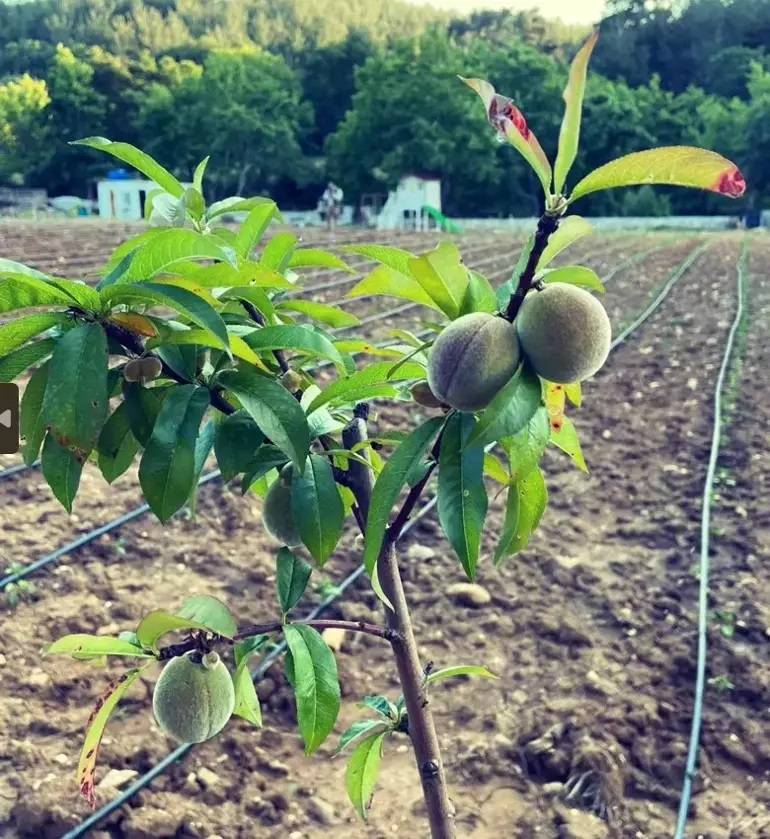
570 11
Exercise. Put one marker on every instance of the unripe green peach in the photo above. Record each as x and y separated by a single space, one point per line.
564 332
472 359
276 511
194 697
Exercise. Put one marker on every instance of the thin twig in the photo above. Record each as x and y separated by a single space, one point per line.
252 630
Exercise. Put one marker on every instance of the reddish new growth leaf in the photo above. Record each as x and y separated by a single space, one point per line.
731 182
502 111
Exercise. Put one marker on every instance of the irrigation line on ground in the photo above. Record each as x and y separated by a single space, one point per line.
86 538
262 668
705 528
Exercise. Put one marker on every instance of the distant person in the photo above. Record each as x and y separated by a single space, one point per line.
331 204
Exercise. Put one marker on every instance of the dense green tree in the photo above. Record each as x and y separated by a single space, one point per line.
245 108
24 135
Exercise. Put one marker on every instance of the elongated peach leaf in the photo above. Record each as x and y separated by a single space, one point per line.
673 165
510 123
105 705
569 134
568 232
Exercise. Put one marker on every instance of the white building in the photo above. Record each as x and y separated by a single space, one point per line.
123 199
405 206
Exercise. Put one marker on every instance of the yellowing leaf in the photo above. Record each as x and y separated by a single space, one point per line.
672 165
138 324
565 437
510 123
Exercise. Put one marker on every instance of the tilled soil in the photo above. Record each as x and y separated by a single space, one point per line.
591 628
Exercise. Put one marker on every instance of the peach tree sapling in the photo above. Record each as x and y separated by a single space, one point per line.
231 369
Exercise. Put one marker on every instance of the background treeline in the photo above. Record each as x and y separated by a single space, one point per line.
287 93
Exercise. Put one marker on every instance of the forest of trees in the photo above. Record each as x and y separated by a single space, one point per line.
286 93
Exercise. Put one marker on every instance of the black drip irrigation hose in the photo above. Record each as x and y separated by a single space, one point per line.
262 668
691 767
181 751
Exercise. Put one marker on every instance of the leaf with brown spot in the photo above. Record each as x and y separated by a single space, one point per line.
97 721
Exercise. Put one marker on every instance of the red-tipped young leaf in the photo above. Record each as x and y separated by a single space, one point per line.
569 135
510 123
671 165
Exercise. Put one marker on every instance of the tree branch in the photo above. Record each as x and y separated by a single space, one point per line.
546 226
410 502
405 652
252 630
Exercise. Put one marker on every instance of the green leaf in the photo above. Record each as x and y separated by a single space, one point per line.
317 687
237 439
479 296
193 200
362 771
142 408
210 612
138 160
32 426
246 700
317 507
94 646
443 277
381 705
292 575
569 134
459 670
158 623
95 730
18 291
181 300
79 293
203 338
361 729
495 469
170 247
267 457
566 438
672 165
315 258
387 282
330 315
462 497
509 122
299 338
510 410
16 362
574 275
276 412
223 275
236 204
394 258
526 448
567 233
13 268
200 171
527 500
121 257
75 403
389 484
277 252
167 467
363 383
17 332
117 445
253 227
62 468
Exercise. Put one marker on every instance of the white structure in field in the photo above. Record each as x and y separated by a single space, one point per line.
403 209
123 198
